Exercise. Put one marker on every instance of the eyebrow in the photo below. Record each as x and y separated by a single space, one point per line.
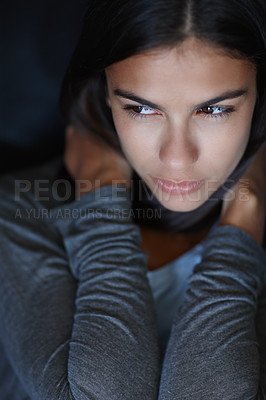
225 96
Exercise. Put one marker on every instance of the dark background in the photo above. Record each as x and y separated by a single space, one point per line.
36 43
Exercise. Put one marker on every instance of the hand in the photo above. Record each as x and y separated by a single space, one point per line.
244 206
92 163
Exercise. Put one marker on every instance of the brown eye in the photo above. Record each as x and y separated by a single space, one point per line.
141 110
215 111
207 110
137 109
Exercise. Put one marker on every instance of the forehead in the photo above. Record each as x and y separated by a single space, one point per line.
192 66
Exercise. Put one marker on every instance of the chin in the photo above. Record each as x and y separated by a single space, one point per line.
181 205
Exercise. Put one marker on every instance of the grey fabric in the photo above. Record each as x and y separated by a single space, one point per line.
77 319
213 351
76 314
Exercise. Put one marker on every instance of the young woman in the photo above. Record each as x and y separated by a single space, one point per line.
166 98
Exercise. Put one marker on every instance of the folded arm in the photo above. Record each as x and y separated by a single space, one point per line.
76 311
216 351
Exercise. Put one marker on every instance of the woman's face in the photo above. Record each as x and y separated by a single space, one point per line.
183 117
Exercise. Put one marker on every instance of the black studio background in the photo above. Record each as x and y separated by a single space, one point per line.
37 40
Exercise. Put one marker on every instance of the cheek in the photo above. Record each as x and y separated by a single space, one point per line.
228 149
135 139
134 149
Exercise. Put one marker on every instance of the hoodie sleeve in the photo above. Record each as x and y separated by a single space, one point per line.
76 311
213 352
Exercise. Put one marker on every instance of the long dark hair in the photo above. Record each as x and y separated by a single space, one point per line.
117 29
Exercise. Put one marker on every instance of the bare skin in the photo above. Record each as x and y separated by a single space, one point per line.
180 148
163 247
90 160
249 214
92 163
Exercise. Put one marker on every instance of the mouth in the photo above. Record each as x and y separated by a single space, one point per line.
178 188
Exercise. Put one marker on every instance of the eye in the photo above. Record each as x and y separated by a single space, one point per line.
143 110
215 111
140 111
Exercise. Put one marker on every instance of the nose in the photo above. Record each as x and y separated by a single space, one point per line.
178 148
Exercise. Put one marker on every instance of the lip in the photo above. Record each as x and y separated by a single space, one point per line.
178 188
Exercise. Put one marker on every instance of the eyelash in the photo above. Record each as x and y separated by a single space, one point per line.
225 111
134 114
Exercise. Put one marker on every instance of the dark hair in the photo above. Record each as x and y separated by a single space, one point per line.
116 29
